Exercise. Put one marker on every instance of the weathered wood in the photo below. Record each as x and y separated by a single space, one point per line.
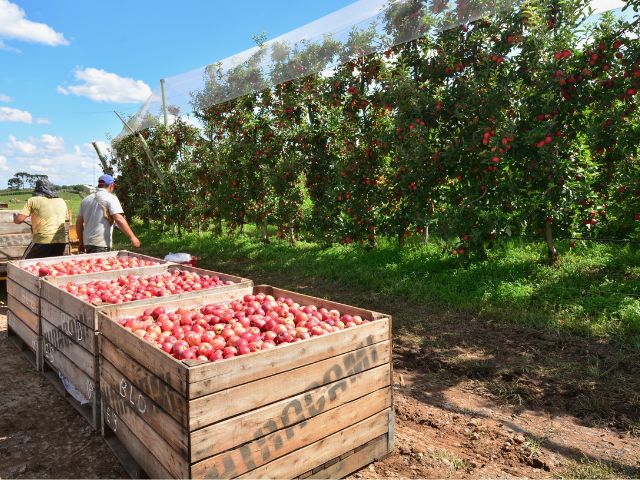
233 401
149 357
13 229
368 453
67 346
25 297
270 445
25 338
14 239
77 331
235 431
12 253
23 278
149 384
164 454
323 451
135 447
210 378
143 406
28 317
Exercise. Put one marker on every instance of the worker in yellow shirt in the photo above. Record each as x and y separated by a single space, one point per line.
48 214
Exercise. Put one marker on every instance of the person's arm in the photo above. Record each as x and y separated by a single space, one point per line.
80 233
19 218
124 227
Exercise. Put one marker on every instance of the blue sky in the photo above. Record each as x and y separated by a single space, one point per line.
65 65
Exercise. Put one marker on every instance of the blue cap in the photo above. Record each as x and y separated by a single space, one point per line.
106 179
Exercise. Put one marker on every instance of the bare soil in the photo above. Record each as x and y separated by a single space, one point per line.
472 399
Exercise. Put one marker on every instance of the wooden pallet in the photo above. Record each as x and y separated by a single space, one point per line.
70 327
26 340
272 414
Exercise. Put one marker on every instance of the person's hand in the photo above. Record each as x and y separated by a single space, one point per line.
135 242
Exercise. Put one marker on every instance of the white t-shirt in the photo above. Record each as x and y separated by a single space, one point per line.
97 231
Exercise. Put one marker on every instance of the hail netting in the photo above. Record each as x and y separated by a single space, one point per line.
359 29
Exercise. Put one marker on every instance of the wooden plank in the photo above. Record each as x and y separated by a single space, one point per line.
25 297
79 332
23 278
235 431
233 401
78 378
148 356
319 302
67 346
217 376
14 239
318 453
368 453
270 445
28 317
12 228
134 447
88 411
12 253
164 454
86 256
150 384
168 428
78 309
28 336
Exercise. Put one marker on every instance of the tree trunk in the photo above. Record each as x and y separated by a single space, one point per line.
292 238
425 239
401 239
218 228
552 253
265 231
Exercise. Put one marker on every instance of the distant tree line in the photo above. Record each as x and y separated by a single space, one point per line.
26 181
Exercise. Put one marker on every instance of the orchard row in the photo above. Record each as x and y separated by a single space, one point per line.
521 123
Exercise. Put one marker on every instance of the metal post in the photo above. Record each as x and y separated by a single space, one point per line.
164 102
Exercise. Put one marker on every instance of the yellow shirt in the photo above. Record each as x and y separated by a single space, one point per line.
47 219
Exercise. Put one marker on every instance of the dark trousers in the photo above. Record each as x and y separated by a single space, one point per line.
94 249
42 250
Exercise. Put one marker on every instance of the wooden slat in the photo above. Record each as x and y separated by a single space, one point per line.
28 336
61 364
86 256
168 428
217 376
235 431
233 401
65 344
11 253
156 361
79 332
25 297
150 384
270 445
23 278
134 447
75 307
12 228
318 453
108 275
368 453
23 313
170 460
14 239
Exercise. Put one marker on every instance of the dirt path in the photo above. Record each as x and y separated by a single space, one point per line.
472 400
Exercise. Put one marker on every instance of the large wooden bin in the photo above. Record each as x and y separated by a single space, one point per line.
320 407
23 297
70 328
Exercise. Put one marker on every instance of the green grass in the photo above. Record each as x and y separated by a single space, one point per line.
587 468
594 289
17 200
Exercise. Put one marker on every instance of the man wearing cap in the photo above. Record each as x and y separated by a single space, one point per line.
98 212
48 214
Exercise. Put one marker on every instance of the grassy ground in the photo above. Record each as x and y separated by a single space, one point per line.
594 289
17 200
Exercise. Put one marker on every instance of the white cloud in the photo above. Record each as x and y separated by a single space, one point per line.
52 142
15 25
8 114
20 147
48 154
42 121
7 48
5 98
102 86
600 6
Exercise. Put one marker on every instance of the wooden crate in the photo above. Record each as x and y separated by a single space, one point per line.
70 327
14 239
25 340
23 291
320 406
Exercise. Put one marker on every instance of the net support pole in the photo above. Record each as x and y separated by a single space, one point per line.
145 147
164 102
103 161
